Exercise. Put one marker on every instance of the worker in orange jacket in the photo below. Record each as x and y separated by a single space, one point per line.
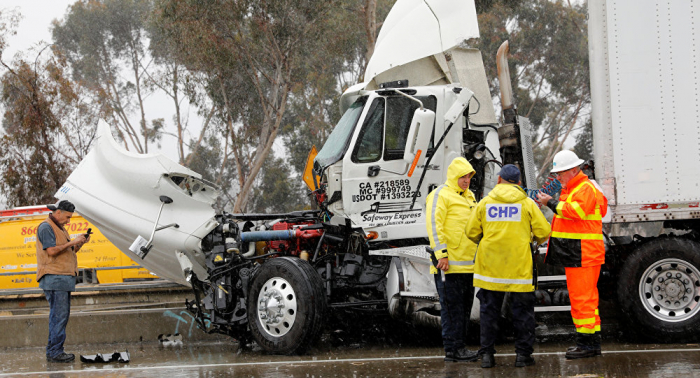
577 244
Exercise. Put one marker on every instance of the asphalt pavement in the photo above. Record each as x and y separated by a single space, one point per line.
369 359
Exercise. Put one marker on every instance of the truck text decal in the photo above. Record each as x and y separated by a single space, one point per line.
384 190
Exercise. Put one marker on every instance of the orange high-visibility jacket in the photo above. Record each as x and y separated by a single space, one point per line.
577 227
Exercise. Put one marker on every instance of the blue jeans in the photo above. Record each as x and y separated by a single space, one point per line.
456 299
59 305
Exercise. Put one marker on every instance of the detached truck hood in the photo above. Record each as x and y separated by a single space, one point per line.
118 191
415 29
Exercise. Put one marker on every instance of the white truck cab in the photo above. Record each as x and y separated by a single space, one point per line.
369 180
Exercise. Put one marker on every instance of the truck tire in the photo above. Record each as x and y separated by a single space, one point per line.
286 306
659 290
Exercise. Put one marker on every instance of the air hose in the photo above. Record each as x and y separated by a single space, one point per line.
550 187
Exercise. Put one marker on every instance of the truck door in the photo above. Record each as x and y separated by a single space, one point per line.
377 183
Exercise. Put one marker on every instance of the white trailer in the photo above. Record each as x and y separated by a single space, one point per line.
645 92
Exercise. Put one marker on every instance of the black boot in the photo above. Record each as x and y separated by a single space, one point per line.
487 360
597 350
580 352
461 355
522 360
587 345
63 357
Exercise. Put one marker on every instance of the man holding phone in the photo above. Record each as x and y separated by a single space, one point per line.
57 267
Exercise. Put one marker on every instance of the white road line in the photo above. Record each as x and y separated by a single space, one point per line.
126 370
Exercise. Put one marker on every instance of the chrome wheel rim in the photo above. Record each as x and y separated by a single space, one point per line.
277 306
670 290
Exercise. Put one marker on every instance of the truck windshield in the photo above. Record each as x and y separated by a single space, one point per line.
339 140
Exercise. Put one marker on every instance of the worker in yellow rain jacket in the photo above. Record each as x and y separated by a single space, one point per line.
504 224
447 210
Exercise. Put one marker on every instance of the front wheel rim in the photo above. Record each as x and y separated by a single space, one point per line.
670 290
277 307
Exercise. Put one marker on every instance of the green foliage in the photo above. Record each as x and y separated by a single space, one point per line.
41 111
278 190
548 64
8 27
105 43
485 6
584 142
339 61
256 70
257 57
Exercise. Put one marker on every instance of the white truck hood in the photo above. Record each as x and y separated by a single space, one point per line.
118 191
416 29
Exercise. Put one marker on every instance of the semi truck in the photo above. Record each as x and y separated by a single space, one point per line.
425 100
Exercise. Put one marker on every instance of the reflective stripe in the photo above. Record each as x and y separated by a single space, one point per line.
460 263
596 311
503 280
577 208
586 330
573 235
436 239
592 217
580 322
582 184
560 207
596 216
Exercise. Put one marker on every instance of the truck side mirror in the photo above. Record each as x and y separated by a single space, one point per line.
422 121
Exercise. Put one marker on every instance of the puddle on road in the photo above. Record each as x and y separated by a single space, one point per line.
326 360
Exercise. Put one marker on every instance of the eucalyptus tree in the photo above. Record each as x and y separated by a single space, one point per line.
48 126
105 43
548 64
337 62
251 53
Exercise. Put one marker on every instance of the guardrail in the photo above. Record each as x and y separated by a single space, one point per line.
89 275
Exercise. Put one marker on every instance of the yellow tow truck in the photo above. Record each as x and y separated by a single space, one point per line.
98 258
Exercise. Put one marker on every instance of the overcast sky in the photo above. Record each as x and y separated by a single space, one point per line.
36 19
34 31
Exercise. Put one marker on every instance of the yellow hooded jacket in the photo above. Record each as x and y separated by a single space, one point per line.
503 224
447 211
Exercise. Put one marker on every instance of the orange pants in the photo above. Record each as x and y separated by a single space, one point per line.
583 293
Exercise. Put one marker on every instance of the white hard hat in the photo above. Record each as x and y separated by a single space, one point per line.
565 160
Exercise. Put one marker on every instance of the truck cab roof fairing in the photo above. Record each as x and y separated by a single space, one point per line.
415 29
119 191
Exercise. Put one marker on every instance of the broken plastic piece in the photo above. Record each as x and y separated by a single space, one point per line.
170 340
122 357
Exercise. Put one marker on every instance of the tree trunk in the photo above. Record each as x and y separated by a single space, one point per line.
369 16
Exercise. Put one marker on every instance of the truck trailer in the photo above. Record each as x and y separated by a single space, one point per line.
646 139
425 101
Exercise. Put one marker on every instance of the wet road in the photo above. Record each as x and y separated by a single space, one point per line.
225 360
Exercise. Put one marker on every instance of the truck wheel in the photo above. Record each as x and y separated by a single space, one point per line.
286 306
659 290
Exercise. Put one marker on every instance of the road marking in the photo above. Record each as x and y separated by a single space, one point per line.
308 362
